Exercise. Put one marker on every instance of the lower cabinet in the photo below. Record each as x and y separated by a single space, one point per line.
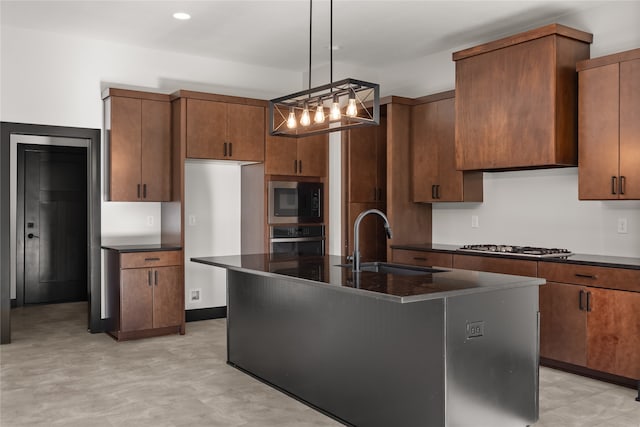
591 326
422 258
145 294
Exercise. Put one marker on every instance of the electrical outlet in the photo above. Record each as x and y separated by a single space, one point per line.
195 294
192 220
150 220
475 223
622 225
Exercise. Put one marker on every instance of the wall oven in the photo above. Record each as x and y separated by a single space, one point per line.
296 240
291 202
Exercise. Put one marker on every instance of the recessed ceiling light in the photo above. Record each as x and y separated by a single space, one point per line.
182 16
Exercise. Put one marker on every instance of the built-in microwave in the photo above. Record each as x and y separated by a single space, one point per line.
292 202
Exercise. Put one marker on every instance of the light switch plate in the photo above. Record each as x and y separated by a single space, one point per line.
622 225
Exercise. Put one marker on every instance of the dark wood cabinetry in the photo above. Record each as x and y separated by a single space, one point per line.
367 164
138 141
222 130
422 258
297 156
145 292
516 100
591 326
435 178
519 267
365 169
609 127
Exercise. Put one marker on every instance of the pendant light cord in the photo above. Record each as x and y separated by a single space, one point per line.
310 34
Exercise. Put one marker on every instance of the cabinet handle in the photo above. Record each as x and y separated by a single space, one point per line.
138 191
144 191
152 259
295 166
433 191
225 149
622 182
587 276
156 278
419 258
437 191
149 278
300 167
588 301
580 303
613 184
231 149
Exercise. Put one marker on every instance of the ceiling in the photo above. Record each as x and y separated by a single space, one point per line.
276 33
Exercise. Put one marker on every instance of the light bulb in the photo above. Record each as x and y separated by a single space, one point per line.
319 116
291 120
352 110
335 109
305 119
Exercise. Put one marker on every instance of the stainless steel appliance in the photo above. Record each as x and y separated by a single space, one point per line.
291 241
292 202
527 251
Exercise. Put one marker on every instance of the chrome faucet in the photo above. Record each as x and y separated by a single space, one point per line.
356 238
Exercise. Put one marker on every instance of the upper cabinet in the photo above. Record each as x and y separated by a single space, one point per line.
138 145
609 127
516 100
367 164
435 178
297 156
225 129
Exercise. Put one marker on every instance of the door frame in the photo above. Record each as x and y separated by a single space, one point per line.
7 130
50 146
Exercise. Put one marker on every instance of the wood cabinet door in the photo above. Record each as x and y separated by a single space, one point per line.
449 179
245 132
613 332
505 107
206 129
381 159
424 153
281 155
156 151
168 297
630 128
563 325
136 299
598 133
312 155
124 149
362 155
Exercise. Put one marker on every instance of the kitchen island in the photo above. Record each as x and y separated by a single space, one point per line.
425 348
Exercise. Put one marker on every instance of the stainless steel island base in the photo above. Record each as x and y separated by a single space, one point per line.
458 360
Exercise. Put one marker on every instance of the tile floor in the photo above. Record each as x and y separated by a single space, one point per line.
56 374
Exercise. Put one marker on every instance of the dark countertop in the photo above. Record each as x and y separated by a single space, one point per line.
584 259
142 248
326 271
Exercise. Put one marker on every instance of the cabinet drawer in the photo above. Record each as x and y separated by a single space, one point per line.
518 267
587 275
427 259
150 259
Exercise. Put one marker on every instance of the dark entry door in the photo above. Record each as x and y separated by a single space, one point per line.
55 225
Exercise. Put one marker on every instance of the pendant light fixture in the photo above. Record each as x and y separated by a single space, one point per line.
351 103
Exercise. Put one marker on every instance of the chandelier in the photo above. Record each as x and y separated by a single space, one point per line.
336 106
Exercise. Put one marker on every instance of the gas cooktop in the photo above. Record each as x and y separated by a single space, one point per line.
528 251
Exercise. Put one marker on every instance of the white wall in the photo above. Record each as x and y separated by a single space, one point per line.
54 79
212 211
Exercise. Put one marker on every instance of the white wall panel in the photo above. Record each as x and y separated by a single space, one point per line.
212 212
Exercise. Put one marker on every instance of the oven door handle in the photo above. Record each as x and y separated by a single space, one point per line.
295 239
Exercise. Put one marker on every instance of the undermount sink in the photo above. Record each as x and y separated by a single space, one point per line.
397 269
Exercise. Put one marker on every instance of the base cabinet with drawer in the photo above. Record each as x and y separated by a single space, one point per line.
422 258
590 317
145 294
